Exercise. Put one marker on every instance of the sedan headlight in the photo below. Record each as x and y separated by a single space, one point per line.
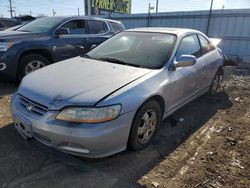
89 115
4 46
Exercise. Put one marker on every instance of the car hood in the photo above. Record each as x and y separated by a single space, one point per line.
18 35
77 81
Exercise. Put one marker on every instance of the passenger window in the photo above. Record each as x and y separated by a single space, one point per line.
205 45
9 23
97 27
76 27
189 46
2 25
117 27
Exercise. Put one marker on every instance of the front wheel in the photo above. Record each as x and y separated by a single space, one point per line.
31 63
145 125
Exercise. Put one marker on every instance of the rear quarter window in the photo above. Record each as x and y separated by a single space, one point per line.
117 27
205 45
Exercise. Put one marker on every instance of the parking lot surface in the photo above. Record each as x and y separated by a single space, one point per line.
209 149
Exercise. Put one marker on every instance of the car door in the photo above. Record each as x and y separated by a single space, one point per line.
207 61
2 26
98 32
184 80
73 44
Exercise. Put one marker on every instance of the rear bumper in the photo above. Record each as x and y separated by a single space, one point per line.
87 140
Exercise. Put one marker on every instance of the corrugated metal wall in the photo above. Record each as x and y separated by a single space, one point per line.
233 26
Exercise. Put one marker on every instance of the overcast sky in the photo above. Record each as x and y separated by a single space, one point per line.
70 7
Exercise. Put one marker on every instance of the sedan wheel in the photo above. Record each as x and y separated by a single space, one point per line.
145 125
215 84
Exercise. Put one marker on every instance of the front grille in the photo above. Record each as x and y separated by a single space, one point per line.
31 106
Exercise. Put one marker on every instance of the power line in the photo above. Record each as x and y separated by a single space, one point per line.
45 5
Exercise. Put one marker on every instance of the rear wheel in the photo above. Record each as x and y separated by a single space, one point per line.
216 83
31 63
145 125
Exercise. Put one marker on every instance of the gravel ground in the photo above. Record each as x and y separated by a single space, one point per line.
209 149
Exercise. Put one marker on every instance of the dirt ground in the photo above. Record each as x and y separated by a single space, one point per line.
210 149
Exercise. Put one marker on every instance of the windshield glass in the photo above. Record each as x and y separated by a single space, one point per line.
141 49
40 25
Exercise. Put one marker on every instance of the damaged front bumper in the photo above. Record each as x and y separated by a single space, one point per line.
88 140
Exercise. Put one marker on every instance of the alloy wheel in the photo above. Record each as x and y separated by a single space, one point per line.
147 126
33 65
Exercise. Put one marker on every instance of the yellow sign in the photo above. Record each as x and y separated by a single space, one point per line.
120 6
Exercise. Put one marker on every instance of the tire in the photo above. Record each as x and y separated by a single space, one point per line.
37 60
215 85
137 139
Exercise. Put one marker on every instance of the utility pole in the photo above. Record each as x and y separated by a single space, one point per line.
53 12
150 8
209 16
11 9
78 11
109 9
149 11
157 4
89 7
30 13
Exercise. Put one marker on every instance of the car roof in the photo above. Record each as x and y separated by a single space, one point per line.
171 30
84 17
8 19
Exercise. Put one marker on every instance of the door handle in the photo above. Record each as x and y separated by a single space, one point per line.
79 46
85 39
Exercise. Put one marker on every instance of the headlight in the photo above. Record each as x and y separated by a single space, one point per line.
89 115
4 46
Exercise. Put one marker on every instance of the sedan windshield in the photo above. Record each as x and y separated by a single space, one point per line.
140 49
40 25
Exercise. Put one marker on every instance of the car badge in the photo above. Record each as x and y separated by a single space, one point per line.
29 107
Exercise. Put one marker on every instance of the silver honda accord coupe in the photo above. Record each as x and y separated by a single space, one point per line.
116 95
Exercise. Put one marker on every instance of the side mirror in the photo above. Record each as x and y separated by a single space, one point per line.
185 61
62 31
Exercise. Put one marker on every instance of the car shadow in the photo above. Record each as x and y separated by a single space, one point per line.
7 88
242 71
31 164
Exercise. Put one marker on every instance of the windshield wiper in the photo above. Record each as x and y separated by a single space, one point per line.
113 60
23 30
87 56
